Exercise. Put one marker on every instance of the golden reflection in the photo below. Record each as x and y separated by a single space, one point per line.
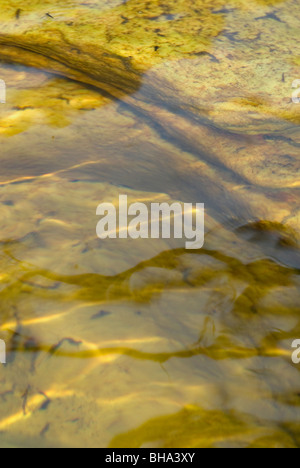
72 336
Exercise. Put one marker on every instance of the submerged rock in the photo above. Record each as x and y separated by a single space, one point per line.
236 59
216 77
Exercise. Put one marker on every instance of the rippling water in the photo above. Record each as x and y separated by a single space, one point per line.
141 343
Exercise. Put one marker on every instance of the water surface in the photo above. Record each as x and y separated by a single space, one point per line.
141 343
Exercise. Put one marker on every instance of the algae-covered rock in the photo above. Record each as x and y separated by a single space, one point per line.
221 66
230 60
108 43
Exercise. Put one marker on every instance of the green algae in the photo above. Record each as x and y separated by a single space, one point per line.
242 334
110 46
196 428
179 45
130 35
261 275
260 278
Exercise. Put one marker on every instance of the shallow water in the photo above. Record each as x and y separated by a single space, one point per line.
141 343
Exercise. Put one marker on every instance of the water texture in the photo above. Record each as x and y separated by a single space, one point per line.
141 343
